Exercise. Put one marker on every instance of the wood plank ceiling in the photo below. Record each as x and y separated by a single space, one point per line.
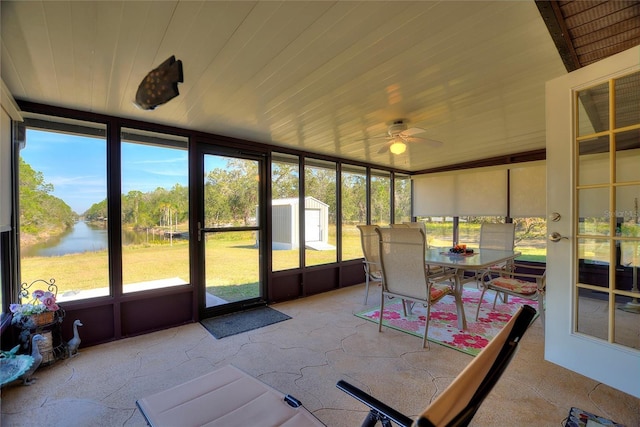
324 77
587 31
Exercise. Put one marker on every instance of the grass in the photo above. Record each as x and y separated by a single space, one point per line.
231 263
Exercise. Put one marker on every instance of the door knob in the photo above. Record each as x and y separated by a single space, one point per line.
556 237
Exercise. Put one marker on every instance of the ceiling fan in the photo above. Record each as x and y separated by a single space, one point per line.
399 135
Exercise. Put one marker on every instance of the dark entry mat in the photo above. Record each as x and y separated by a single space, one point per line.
243 321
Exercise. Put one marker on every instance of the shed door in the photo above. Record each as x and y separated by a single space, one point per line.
312 229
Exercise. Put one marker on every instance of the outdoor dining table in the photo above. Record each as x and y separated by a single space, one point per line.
480 260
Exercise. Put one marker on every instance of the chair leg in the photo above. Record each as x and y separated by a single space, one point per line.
381 313
541 308
366 288
484 289
425 342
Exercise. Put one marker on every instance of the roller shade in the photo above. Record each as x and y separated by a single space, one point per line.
480 192
528 190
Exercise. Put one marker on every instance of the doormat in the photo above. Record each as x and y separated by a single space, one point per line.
579 418
243 321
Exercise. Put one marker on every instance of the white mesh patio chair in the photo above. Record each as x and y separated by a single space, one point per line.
435 272
501 237
529 286
402 254
370 251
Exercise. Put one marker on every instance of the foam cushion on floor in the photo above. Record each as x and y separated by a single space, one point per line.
224 397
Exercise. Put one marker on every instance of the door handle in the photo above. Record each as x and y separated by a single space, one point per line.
556 237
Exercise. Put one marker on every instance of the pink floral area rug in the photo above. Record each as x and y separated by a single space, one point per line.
443 324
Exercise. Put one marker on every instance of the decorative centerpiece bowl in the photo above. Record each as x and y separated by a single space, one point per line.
460 250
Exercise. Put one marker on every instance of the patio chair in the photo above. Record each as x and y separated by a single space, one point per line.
498 237
402 254
435 271
370 251
529 286
459 402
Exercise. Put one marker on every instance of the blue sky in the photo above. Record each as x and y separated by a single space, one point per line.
76 166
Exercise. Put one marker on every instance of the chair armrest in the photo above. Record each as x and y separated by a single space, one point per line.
377 408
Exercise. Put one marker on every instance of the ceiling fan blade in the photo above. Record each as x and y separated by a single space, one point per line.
412 131
384 149
431 142
373 138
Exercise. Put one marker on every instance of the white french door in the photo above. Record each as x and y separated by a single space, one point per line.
593 188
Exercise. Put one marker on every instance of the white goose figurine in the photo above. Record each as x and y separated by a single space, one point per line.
27 377
74 343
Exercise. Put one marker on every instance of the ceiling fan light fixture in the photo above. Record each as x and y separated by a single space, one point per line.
398 147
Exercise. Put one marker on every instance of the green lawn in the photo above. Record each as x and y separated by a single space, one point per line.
231 266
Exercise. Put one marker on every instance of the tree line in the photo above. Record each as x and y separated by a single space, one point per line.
41 213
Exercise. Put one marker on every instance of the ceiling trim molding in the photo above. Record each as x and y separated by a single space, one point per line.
522 157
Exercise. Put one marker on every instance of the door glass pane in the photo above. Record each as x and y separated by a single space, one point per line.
628 263
593 211
354 209
231 189
628 210
593 109
231 258
593 313
285 211
627 91
627 330
593 163
320 212
63 209
593 262
232 267
402 198
627 155
155 210
380 197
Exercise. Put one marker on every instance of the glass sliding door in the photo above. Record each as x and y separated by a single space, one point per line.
230 232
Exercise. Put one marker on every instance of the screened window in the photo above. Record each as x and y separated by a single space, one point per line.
285 189
155 210
380 197
63 208
354 209
402 198
320 212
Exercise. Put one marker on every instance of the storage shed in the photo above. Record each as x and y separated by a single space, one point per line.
286 225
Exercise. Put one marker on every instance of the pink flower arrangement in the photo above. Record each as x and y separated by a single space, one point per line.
42 301
47 299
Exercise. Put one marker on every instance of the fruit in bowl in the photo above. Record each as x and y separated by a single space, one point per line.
460 249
